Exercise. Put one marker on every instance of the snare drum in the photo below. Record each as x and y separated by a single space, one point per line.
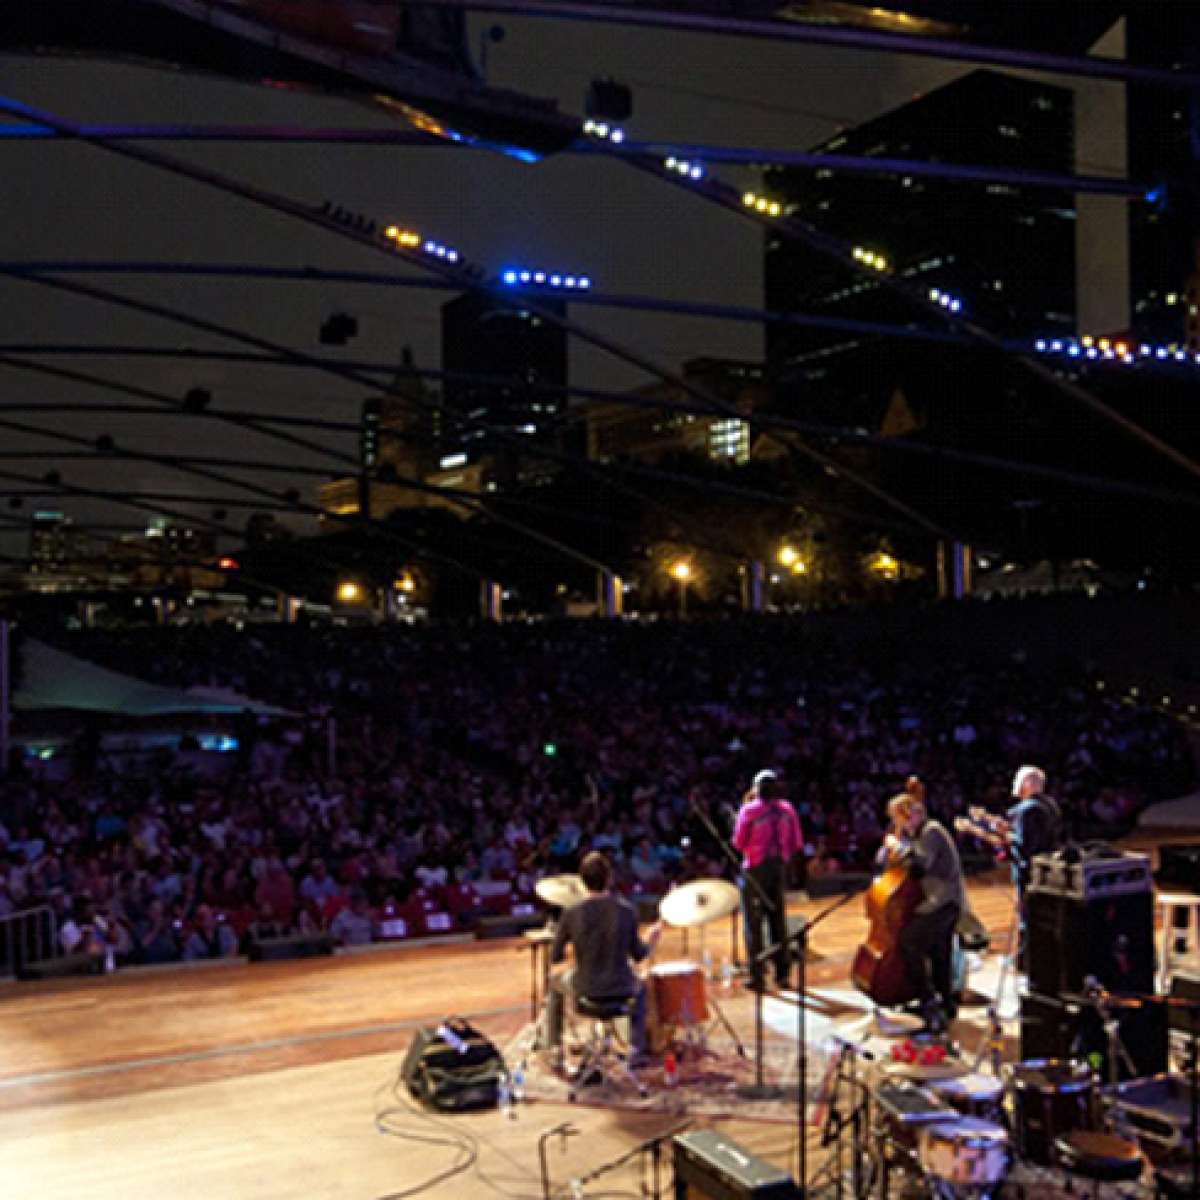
1053 1097
965 1153
973 1095
679 997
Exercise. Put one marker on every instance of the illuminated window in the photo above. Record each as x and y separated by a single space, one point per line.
730 440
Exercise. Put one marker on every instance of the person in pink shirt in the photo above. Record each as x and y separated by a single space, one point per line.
767 832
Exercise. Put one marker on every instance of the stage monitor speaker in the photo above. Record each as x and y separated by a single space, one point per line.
1179 868
66 964
1110 938
1052 1028
711 1166
299 946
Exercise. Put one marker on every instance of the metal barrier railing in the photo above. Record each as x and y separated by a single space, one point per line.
27 936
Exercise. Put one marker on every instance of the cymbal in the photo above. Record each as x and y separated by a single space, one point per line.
561 891
699 902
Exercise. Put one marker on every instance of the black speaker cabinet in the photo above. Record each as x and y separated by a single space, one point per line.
1052 1028
1179 868
297 946
1108 937
66 964
710 1165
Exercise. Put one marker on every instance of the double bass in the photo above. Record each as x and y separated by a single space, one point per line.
891 900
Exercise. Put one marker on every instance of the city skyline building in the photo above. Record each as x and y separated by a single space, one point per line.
1004 253
519 359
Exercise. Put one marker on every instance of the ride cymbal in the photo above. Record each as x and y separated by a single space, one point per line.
699 902
561 891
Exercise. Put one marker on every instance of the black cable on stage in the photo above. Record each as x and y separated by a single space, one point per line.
464 1144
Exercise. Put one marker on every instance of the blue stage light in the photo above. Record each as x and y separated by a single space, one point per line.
556 281
509 277
525 276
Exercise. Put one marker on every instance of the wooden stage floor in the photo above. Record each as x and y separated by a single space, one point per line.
262 1082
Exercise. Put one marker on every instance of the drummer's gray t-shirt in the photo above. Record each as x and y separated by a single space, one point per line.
603 933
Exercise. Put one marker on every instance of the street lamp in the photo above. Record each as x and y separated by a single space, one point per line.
349 592
788 555
886 566
683 572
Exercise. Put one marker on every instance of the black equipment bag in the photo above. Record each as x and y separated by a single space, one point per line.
453 1068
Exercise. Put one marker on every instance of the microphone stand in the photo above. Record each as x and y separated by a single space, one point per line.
761 1091
730 854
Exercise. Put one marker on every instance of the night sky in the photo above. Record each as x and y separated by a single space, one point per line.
630 232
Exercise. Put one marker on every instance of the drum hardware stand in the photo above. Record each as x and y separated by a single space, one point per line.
1100 999
835 1124
723 1020
991 1047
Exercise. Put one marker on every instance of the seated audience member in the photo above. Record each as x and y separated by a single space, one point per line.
155 937
267 925
318 885
353 925
210 937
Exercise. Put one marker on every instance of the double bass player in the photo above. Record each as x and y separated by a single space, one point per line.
927 850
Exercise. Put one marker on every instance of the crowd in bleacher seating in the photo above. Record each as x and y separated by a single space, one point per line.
471 760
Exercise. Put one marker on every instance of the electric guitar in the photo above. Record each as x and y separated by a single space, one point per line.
987 827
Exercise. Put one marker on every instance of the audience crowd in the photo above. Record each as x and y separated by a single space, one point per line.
429 775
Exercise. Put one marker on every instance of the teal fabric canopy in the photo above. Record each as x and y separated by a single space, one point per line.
53 679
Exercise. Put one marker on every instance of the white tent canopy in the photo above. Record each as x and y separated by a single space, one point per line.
53 679
1183 813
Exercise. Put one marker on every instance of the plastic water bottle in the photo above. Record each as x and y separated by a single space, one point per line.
504 1095
708 965
726 974
518 1083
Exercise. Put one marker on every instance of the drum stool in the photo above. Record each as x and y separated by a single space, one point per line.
600 1055
1100 1157
1180 942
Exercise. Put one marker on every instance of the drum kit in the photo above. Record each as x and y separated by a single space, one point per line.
678 1003
965 1135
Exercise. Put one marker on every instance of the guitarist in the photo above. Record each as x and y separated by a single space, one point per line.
1035 827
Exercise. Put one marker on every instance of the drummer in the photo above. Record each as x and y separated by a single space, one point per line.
602 930
767 832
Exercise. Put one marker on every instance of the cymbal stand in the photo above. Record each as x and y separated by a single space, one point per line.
991 1047
723 1020
1118 1055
